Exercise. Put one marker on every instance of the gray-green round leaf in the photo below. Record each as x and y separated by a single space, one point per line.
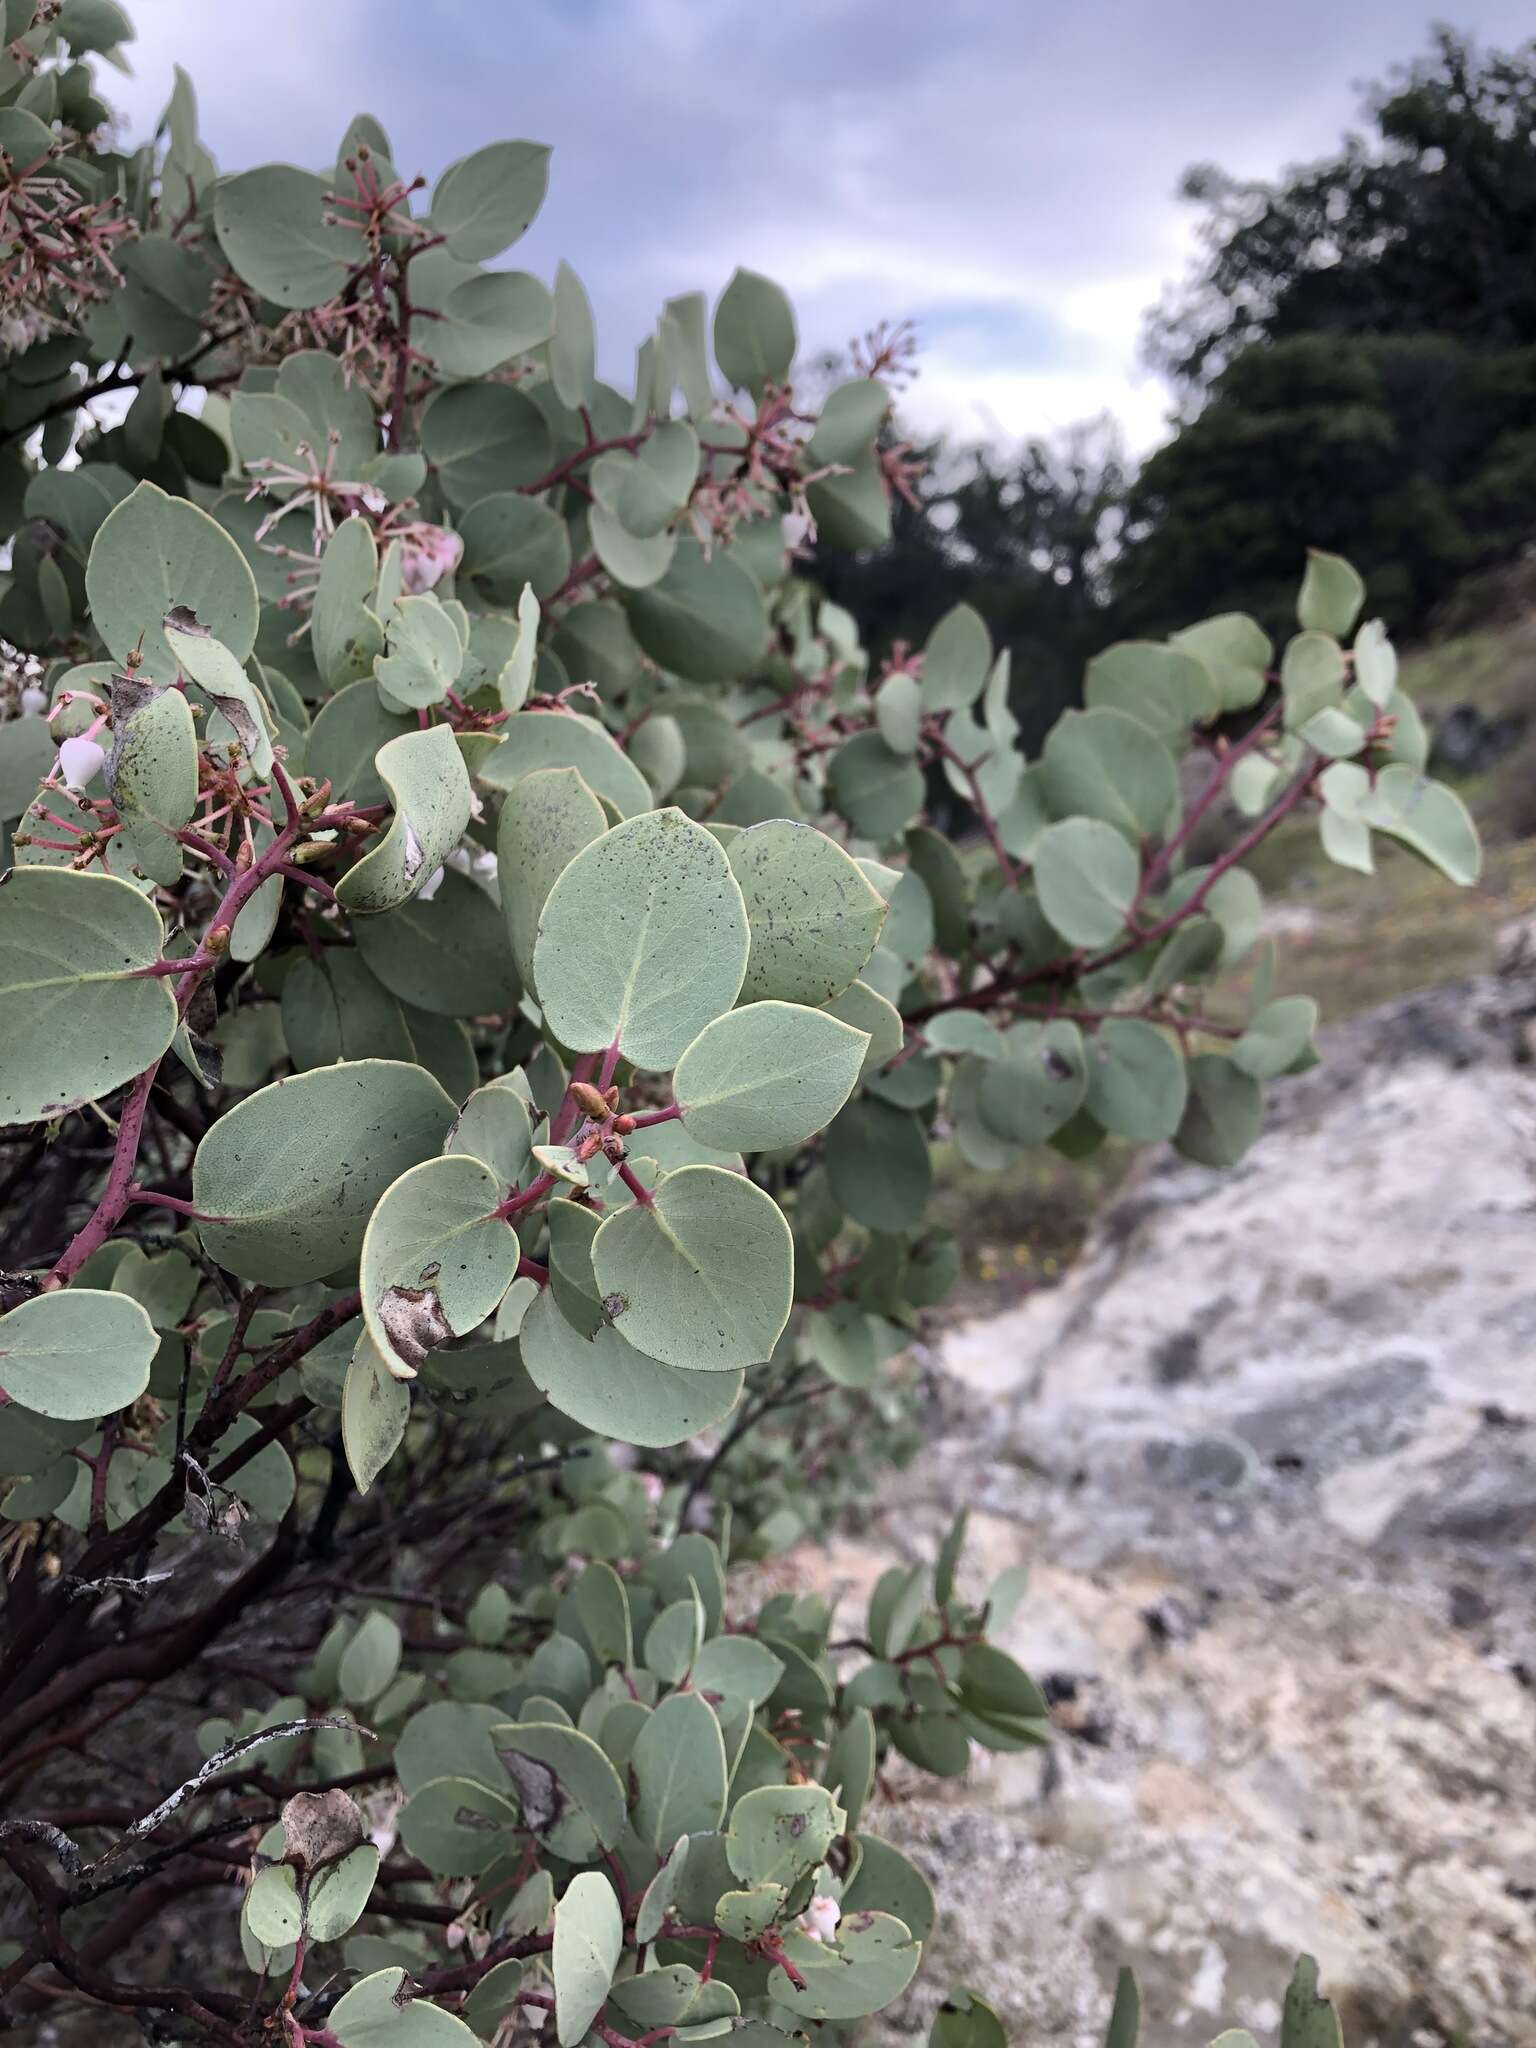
813 915
562 1775
642 941
152 768
74 1020
1236 650
605 1384
1038 1083
1428 817
510 540
25 758
867 1010
494 1126
956 659
589 1939
1166 689
898 713
679 1767
429 788
482 438
375 1407
701 1276
780 1833
152 553
483 322
766 1075
564 739
704 619
272 1910
379 2012
1224 1114
485 201
872 1963
339 1892
436 1257
1137 1085
271 228
851 416
572 353
878 1164
457 1825
877 790
349 730
546 820
371 1658
289 1177
754 333
1087 876
1331 595
1105 764
448 955
1276 1037
76 1354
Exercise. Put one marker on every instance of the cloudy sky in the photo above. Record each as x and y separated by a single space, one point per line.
1001 171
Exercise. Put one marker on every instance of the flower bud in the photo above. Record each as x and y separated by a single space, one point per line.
80 761
820 1918
430 886
427 554
34 701
589 1099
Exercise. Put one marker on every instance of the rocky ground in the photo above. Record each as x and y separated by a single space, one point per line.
1270 1452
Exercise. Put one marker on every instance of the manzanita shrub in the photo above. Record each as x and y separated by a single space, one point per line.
481 972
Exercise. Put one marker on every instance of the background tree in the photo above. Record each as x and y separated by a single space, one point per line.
1028 541
1358 343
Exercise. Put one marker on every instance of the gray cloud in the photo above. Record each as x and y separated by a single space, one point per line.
1003 169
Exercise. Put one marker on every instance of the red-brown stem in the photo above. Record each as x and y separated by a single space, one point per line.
116 380
583 572
979 804
207 849
239 1393
307 879
1150 1011
636 1186
1078 964
657 1116
109 1211
138 1195
535 1192
286 790
1281 808
569 1114
571 463
113 1206
101 1465
1221 776
248 1305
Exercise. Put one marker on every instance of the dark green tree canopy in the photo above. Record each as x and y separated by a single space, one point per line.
1427 225
1420 448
